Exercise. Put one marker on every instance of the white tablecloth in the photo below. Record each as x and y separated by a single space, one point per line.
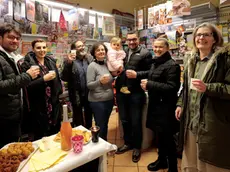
90 152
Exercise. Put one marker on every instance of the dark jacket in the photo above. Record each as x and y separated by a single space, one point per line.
11 83
214 121
36 90
163 85
70 74
140 60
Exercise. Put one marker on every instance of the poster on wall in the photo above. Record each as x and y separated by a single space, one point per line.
38 12
19 11
108 26
3 8
172 39
45 13
73 19
224 2
83 17
156 14
30 10
181 7
124 31
140 20
25 48
169 11
151 22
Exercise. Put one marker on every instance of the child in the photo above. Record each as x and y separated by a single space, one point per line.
115 59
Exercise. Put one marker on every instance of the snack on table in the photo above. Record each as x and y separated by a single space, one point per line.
85 134
13 155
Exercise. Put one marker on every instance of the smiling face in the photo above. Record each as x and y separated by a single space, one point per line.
159 48
40 49
10 41
204 39
100 53
133 41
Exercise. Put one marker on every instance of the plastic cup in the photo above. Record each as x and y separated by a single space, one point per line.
144 80
191 85
95 133
35 67
53 72
77 142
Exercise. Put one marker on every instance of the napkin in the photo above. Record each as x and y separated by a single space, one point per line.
46 159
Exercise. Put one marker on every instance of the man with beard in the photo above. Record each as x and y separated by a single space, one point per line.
74 72
11 84
130 106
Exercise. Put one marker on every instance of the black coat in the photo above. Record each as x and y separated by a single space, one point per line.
36 91
163 85
11 83
140 60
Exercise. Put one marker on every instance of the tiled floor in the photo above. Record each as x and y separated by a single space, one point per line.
123 162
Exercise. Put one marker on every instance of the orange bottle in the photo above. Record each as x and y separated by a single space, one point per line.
66 131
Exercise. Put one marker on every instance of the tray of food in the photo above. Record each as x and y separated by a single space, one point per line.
14 156
86 134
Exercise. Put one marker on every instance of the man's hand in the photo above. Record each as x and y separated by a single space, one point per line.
178 113
131 74
33 72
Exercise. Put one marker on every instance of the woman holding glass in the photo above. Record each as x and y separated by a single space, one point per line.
99 82
43 92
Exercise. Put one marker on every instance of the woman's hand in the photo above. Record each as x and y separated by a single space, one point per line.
71 57
178 113
105 79
143 84
49 76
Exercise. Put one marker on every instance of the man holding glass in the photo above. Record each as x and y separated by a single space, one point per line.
11 84
130 105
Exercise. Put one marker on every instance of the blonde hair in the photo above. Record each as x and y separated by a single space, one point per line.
115 40
215 33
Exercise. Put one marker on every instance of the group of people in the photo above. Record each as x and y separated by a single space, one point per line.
201 109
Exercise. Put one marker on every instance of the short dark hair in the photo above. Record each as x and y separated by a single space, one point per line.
95 47
35 41
133 32
6 28
73 46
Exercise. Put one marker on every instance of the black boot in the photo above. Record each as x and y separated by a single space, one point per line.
172 164
160 163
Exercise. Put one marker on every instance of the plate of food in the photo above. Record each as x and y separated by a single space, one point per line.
86 134
14 156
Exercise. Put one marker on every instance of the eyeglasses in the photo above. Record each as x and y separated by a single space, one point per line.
205 35
134 40
12 38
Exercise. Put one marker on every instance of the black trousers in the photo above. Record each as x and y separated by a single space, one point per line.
91 166
80 117
167 148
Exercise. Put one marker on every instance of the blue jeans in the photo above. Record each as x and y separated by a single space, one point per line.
101 112
130 108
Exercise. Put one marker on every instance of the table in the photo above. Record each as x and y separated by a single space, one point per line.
90 152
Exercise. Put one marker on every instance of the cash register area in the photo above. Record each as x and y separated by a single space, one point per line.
123 162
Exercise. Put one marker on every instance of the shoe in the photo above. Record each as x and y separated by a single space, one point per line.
158 164
123 149
125 90
136 155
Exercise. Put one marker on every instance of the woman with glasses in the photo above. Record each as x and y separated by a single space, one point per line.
43 92
203 107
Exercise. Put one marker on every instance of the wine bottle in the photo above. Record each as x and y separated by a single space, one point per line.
66 131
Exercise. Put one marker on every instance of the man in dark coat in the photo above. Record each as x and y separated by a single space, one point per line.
130 106
74 72
11 84
162 85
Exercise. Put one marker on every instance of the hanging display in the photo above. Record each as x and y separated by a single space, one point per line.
95 31
140 20
19 11
30 10
45 13
3 8
38 12
172 39
83 17
62 22
108 27
151 21
73 19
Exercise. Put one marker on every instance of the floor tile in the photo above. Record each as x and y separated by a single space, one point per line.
147 158
144 169
119 142
125 169
110 160
124 159
110 169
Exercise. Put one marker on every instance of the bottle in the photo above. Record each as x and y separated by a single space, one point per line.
66 131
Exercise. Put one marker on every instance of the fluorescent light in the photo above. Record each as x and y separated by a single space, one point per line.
56 4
